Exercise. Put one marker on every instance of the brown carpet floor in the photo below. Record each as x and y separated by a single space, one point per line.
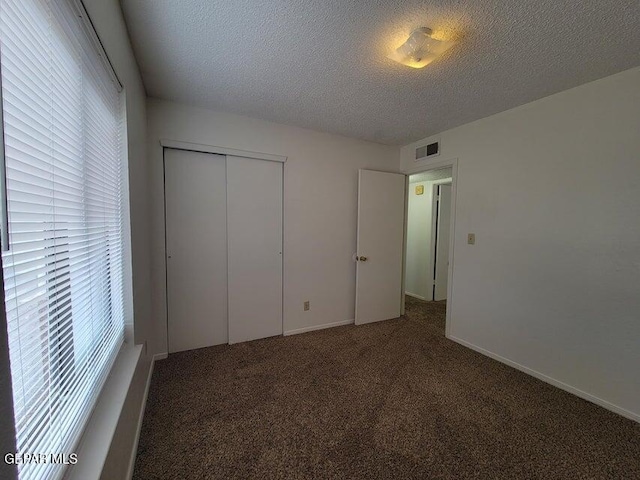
389 400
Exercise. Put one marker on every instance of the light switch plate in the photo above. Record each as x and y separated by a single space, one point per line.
306 305
471 239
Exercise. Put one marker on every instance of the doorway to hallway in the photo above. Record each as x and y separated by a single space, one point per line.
429 205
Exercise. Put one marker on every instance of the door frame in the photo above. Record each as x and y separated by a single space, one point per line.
434 230
435 165
216 150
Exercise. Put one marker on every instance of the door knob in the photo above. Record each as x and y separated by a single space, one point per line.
362 259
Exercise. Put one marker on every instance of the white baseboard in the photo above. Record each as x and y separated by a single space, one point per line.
318 327
134 452
419 297
552 381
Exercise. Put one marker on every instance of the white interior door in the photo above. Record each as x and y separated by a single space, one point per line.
381 199
254 212
443 230
196 219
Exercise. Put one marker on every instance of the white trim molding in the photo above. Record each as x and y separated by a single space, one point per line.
136 441
415 295
198 147
435 164
96 440
312 328
552 381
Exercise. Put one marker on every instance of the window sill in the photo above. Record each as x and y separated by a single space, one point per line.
96 440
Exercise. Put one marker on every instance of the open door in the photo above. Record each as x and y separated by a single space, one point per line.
443 227
381 199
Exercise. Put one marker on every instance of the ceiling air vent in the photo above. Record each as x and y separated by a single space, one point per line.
430 150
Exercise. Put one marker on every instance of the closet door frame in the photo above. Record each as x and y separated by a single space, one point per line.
219 150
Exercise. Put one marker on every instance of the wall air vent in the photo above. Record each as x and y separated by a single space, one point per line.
426 151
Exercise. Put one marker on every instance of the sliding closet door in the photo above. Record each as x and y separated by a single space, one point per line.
196 228
254 213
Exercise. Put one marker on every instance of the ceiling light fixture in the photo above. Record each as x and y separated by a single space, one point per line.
420 49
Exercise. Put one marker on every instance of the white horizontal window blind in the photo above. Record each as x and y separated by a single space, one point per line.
63 272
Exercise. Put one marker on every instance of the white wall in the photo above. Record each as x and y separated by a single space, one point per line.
552 191
418 278
320 206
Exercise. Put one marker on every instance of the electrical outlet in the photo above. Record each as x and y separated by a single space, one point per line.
306 305
471 239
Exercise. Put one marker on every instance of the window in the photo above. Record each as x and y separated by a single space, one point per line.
63 270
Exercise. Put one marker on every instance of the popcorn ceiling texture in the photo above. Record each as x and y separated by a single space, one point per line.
322 64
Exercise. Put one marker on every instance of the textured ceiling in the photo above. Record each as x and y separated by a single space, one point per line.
322 64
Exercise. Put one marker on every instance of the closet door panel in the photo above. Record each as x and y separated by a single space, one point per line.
254 223
196 236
